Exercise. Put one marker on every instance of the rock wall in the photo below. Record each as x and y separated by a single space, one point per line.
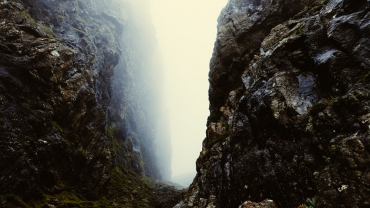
78 99
289 106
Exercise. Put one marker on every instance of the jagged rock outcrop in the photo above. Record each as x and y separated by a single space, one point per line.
78 108
289 106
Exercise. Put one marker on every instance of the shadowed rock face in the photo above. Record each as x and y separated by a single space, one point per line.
71 75
289 102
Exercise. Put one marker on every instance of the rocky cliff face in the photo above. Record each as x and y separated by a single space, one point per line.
78 113
289 106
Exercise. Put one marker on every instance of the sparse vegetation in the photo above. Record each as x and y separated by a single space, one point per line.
141 164
57 126
326 159
363 78
127 189
221 138
47 30
314 6
110 130
82 20
332 148
116 147
331 100
303 10
316 108
60 17
310 203
15 201
78 30
310 120
81 151
298 30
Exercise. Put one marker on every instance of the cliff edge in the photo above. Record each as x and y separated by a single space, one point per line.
78 105
289 107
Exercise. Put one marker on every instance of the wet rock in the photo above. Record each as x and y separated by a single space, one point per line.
289 97
69 98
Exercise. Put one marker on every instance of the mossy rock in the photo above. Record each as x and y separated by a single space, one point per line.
14 201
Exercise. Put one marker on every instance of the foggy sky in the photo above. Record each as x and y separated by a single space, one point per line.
186 31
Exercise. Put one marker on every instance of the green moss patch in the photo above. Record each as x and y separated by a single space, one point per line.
221 138
47 30
14 201
128 188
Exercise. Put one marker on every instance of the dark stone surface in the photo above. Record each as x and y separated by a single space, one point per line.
70 97
289 102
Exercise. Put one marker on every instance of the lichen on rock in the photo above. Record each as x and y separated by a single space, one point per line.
291 82
72 124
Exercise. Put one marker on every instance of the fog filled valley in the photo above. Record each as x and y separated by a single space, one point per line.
179 104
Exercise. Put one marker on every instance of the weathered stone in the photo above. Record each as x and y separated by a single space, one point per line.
70 81
289 105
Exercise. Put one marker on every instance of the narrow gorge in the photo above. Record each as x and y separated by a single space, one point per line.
83 122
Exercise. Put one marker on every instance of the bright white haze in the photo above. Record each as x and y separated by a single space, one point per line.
186 31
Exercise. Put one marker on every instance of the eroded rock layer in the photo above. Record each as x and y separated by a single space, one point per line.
289 106
78 109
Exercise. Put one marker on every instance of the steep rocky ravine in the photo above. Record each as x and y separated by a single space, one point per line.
289 107
78 107
81 125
